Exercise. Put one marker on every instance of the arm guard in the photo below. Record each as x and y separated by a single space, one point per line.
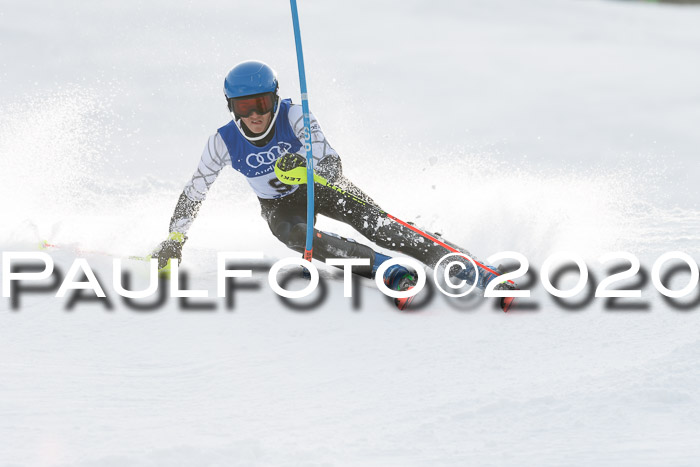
185 212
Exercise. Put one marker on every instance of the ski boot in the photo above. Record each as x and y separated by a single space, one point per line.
400 278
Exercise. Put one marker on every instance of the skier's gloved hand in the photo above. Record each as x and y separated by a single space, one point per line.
170 248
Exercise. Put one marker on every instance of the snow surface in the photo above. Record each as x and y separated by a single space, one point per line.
535 126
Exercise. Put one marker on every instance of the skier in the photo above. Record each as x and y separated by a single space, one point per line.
266 128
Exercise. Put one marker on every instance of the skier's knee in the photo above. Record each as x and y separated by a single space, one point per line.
297 236
283 226
292 234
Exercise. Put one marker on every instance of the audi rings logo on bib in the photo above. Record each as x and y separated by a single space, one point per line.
268 157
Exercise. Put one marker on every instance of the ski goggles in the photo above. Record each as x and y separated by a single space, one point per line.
259 103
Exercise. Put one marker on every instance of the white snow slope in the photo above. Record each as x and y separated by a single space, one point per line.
533 126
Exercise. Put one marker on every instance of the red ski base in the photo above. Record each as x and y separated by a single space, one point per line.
403 303
506 303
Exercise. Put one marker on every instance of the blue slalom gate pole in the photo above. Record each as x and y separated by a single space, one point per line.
307 137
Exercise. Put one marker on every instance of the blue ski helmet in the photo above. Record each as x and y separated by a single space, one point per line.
252 78
248 78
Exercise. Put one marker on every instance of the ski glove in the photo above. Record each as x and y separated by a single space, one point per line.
170 248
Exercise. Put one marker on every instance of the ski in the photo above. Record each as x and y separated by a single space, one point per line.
163 272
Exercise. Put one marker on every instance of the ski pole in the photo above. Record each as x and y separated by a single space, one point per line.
307 135
290 170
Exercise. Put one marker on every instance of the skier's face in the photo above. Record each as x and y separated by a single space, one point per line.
257 123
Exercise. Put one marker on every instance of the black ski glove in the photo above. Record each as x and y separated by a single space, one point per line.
170 248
